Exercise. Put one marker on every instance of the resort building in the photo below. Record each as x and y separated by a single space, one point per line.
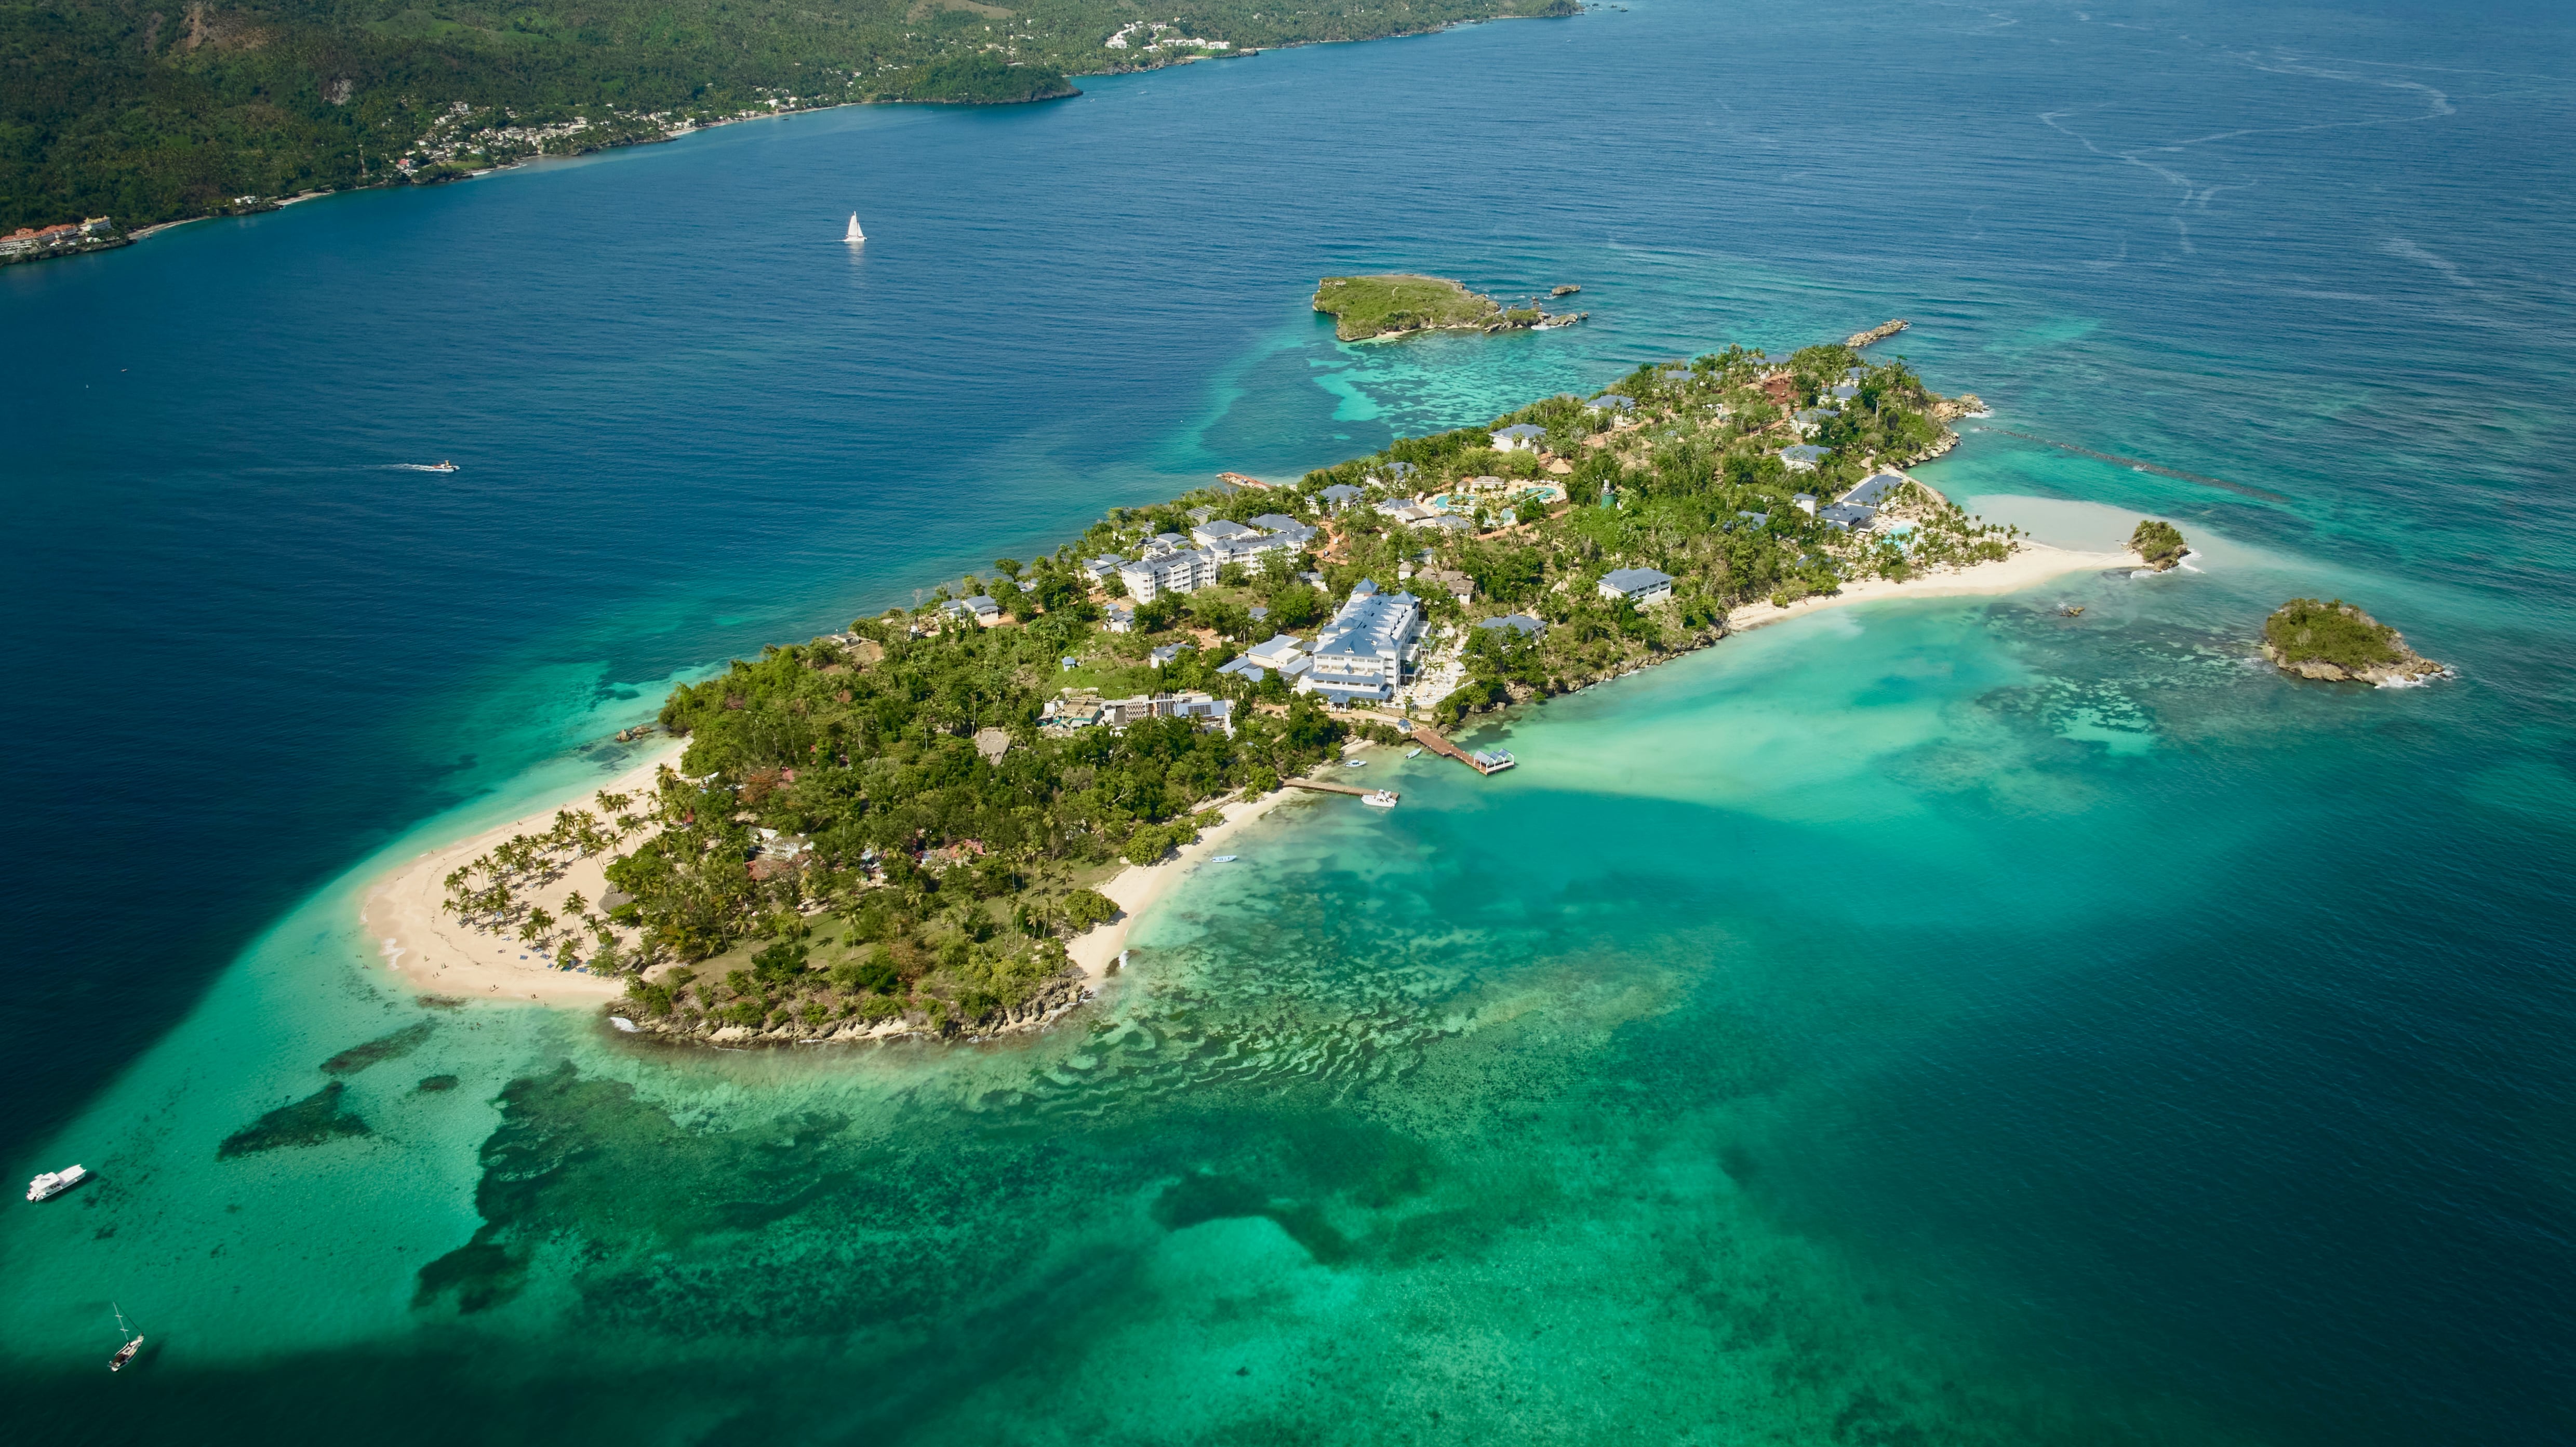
1341 495
1281 655
1641 586
1086 709
1119 617
1218 530
1806 502
982 609
1611 402
1804 457
1519 437
1164 654
1520 623
1874 489
1362 656
1847 515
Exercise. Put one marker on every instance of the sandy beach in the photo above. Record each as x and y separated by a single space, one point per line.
429 949
2029 566
1139 887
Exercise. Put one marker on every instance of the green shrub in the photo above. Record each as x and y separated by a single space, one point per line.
2307 631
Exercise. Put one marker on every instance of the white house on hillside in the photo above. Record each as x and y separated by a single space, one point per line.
1519 437
1641 586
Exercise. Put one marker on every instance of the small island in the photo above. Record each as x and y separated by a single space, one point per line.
940 821
2336 642
1382 308
2159 543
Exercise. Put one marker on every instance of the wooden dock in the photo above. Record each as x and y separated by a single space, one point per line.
1320 787
1426 736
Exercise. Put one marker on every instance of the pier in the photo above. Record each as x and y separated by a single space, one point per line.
1493 762
1321 787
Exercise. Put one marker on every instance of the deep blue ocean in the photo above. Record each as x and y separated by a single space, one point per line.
1929 1022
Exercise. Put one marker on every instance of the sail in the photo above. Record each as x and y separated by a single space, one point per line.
854 233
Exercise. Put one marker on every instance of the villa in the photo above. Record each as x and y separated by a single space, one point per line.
982 609
1520 623
1847 515
1641 586
1341 495
1363 654
1804 457
1874 489
1519 437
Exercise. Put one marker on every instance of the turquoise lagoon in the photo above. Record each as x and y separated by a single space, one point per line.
1917 1022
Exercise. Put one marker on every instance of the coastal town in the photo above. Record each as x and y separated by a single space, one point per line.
935 822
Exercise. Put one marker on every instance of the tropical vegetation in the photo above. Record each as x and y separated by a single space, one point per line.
2306 630
151 113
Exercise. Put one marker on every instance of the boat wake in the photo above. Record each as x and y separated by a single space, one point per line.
421 467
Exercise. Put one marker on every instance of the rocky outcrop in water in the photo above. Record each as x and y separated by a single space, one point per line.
2338 643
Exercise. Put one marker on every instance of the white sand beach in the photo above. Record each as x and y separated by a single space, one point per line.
1137 888
2031 564
430 949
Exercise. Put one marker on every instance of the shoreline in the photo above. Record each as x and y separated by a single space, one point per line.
2031 564
154 228
1139 887
429 951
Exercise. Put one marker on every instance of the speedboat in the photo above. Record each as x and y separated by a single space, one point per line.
1413 753
1382 799
1225 859
442 465
53 1183
1354 763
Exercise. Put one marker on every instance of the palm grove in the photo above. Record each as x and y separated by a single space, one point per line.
835 847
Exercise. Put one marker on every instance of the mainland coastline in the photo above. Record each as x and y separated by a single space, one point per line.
907 830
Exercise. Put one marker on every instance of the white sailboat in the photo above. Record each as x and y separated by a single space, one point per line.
854 235
126 1352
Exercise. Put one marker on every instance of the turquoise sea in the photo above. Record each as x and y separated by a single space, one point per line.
1928 1022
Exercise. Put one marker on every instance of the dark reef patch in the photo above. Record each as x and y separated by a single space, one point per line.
375 1052
433 1084
308 1122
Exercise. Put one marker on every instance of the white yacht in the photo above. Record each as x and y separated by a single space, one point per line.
1382 799
54 1183
854 235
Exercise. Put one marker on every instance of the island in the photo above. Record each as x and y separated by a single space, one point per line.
2335 642
1382 308
939 822
2159 544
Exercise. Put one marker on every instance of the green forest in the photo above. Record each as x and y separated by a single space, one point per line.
154 110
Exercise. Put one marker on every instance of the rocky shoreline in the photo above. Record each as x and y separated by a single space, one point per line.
1044 1006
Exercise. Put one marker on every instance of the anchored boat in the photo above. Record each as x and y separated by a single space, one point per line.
126 1352
53 1183
1382 799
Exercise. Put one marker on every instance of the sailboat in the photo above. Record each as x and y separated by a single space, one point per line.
126 1352
854 235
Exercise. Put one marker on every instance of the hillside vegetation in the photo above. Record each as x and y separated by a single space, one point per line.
151 110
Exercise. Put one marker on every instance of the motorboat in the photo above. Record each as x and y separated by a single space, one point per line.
441 465
53 1183
1382 799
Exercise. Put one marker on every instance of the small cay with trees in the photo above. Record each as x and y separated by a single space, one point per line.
904 828
1382 308
2335 642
